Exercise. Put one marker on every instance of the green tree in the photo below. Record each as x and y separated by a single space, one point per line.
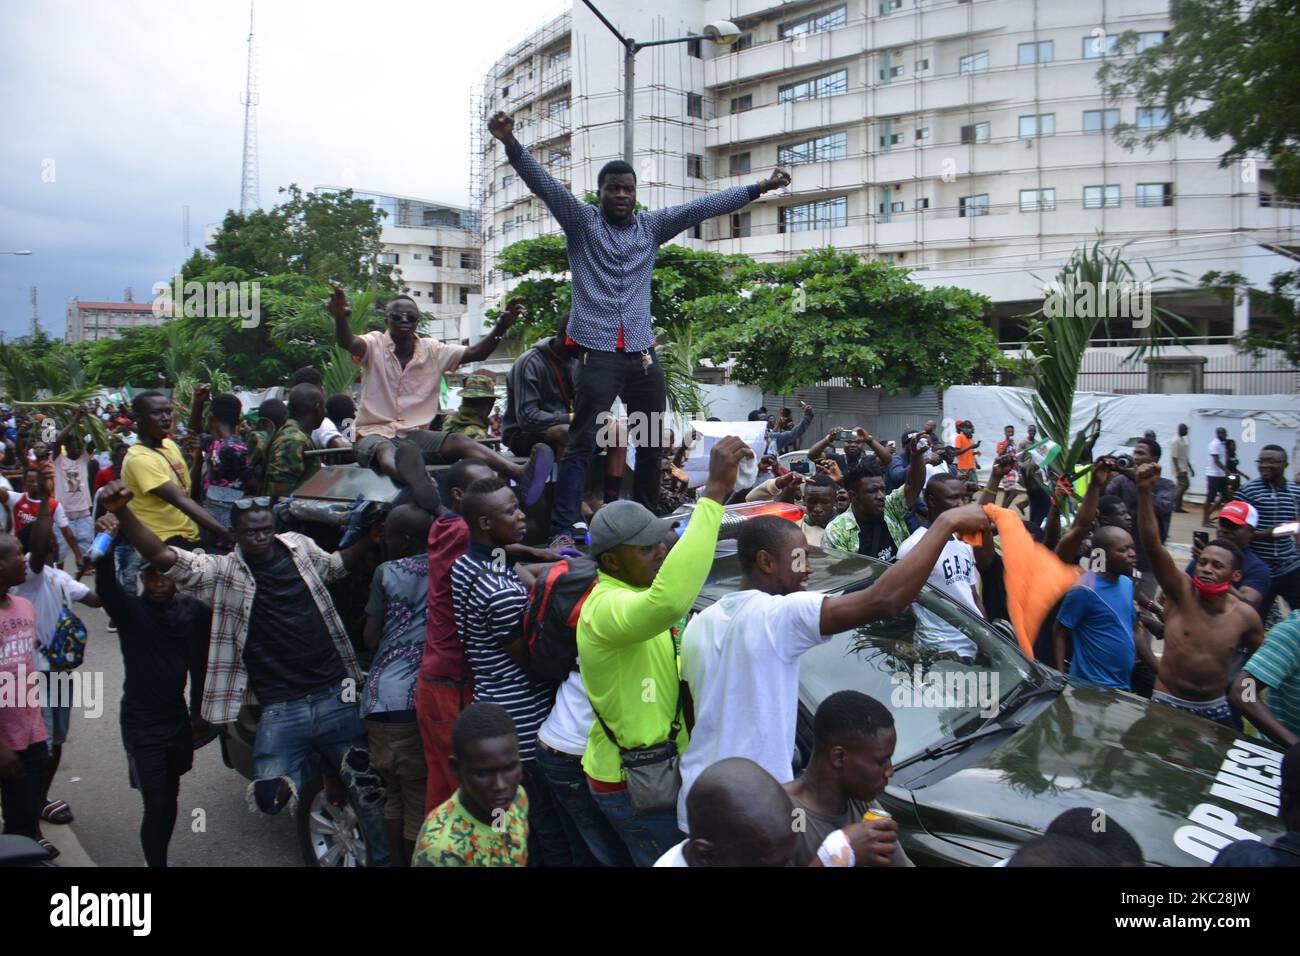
833 314
1229 69
1283 332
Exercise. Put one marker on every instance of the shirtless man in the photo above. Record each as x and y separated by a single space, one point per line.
1204 619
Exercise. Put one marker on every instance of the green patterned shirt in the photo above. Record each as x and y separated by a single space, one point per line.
452 836
842 532
286 465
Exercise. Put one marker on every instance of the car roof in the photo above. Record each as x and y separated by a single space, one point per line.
833 572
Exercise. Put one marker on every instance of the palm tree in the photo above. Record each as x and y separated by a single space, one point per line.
678 356
1056 343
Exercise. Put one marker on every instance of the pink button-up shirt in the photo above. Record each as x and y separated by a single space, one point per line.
396 400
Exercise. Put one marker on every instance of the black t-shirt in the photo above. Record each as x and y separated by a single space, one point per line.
874 540
161 646
288 653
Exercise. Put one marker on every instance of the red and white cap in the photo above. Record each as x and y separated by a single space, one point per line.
1240 512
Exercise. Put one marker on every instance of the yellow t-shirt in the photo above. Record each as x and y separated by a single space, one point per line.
145 469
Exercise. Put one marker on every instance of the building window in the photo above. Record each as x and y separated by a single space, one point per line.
1155 194
923 133
819 150
1096 46
694 166
695 105
743 42
388 258
507 226
890 139
1037 200
416 256
818 87
892 73
558 157
815 22
505 92
693 48
1150 39
1097 121
697 232
974 62
888 6
436 295
1100 197
827 214
975 133
468 260
922 65
558 58
416 293
557 109
435 257
1044 124
464 295
507 180
741 103
740 225
491 230
738 164
893 207
968 206
923 203
1152 117
1044 51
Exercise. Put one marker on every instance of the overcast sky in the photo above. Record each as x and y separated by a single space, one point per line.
131 110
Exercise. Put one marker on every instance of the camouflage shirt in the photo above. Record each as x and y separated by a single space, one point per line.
286 465
465 422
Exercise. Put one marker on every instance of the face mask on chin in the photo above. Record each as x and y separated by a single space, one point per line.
1210 591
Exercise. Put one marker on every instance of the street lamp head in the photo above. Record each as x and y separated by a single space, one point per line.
722 32
21 252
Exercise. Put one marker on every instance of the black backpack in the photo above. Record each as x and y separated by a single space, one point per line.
550 619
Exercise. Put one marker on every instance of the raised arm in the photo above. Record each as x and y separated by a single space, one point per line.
106 584
819 447
790 436
882 453
674 219
64 435
486 345
915 482
1172 580
175 496
1247 697
115 497
900 584
567 208
337 306
1103 470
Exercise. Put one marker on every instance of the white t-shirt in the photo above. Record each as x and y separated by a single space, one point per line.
566 727
741 660
954 574
70 487
1217 447
674 856
45 591
326 433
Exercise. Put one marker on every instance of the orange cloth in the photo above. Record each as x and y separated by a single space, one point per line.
966 457
1035 577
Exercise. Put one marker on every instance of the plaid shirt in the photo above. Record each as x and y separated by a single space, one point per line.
612 265
224 583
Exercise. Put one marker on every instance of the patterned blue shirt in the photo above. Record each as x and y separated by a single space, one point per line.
612 265
1276 504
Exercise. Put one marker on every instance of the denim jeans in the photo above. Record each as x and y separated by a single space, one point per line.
592 840
292 738
127 561
599 378
647 837
548 844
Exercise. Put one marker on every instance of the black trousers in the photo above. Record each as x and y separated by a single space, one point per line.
602 377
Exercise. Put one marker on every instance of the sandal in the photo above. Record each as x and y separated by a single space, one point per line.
49 848
57 811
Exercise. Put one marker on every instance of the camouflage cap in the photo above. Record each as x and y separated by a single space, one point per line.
478 386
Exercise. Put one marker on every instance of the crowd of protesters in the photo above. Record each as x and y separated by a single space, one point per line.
614 728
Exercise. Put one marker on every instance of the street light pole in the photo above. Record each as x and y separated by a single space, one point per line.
722 32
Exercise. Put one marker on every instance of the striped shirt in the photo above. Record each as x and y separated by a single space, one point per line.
225 584
1276 505
612 265
489 600
1277 665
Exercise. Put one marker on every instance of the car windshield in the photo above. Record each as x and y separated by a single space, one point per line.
934 696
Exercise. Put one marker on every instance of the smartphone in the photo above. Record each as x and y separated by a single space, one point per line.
848 435
1201 537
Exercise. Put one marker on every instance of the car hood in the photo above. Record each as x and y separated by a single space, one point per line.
1182 786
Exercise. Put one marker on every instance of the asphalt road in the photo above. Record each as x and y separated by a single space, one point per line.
214 827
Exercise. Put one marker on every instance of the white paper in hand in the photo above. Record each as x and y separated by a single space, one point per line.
696 465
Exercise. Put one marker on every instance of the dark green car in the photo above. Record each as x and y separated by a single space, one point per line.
989 753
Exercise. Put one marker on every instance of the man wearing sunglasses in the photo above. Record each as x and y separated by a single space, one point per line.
277 640
401 383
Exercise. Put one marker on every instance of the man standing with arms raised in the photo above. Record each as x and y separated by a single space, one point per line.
612 252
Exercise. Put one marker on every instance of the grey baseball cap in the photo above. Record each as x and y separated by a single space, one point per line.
626 522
